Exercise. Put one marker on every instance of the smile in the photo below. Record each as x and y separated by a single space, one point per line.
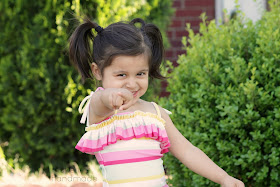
135 93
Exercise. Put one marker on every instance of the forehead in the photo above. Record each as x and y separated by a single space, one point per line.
135 62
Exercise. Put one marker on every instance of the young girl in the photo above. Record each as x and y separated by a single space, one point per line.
128 135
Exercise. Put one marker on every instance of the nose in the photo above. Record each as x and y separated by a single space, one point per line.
131 83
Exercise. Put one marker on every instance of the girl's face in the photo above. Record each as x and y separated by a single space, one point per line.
129 72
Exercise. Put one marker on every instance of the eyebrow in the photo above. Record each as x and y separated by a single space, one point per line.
121 71
144 70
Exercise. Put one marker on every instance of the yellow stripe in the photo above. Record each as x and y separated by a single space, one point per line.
145 138
135 179
126 116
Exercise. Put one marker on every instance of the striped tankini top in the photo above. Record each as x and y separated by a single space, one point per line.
128 147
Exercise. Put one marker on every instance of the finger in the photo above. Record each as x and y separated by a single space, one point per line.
114 102
127 96
126 105
119 102
123 99
111 101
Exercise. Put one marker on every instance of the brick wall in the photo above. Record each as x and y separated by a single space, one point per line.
186 11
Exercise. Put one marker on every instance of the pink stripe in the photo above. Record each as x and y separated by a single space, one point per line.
82 145
125 161
165 185
98 157
85 150
150 131
90 145
99 88
130 154
165 150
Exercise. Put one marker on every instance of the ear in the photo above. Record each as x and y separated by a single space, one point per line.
96 71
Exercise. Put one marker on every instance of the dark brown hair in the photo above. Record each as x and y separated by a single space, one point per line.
117 39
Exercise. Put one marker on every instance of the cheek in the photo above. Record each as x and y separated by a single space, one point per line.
145 83
112 82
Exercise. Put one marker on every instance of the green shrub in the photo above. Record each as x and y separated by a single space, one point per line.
225 99
39 90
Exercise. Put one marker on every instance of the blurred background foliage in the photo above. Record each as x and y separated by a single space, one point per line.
225 94
39 89
225 99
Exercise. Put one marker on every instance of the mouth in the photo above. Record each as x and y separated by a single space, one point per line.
135 93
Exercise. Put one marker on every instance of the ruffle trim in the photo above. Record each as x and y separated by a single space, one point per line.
126 128
118 117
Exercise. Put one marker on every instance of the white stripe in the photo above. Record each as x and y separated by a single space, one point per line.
151 183
133 144
134 170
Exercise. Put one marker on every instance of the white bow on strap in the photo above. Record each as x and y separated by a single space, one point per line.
85 109
167 111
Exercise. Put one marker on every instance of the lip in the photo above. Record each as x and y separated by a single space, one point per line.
135 93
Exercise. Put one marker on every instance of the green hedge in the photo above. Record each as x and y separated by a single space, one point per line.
39 90
225 99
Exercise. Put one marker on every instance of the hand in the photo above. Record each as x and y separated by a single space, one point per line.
120 99
229 181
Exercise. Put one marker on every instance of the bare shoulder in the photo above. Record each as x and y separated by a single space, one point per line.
177 140
145 106
164 114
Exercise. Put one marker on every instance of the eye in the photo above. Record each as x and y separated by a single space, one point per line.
141 74
121 75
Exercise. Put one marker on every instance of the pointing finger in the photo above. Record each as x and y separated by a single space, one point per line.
126 95
126 105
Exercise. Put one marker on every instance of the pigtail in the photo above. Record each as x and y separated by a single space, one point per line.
157 49
152 38
79 49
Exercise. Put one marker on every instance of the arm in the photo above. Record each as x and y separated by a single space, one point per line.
193 158
104 102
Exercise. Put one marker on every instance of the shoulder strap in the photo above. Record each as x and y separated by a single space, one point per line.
157 109
85 110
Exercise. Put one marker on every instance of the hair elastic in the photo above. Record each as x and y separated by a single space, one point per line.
98 29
